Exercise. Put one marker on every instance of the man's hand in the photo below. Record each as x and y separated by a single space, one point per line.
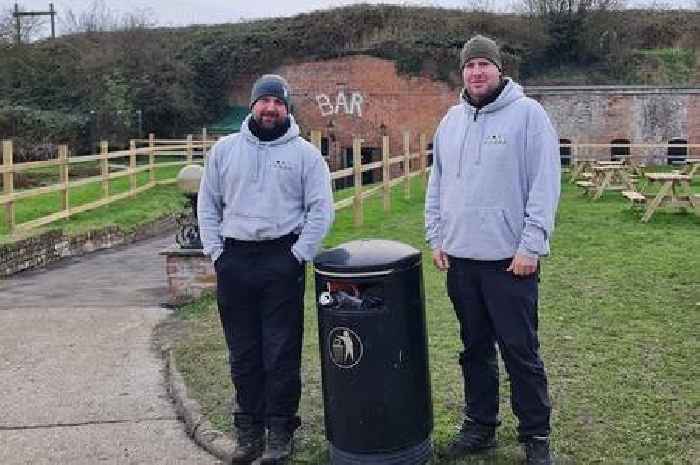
522 265
440 260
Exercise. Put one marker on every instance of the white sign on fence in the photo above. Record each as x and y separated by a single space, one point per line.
351 106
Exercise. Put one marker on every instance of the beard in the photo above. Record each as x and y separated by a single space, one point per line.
267 129
270 120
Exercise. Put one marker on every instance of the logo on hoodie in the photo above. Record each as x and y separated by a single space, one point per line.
496 139
283 165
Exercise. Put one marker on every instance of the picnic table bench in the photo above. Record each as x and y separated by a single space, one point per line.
635 197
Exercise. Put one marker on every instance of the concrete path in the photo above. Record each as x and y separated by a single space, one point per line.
80 380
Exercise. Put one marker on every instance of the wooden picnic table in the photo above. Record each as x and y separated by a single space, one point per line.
610 176
674 192
580 166
610 163
692 165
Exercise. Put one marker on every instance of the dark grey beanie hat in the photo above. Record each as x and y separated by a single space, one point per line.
481 47
274 85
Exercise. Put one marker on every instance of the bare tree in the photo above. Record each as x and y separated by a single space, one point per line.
480 6
546 8
98 17
31 27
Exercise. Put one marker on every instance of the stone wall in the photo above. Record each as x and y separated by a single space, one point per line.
642 115
52 246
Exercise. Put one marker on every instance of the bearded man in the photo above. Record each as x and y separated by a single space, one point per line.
264 206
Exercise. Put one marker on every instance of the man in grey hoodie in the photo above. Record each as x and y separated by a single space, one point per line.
264 206
490 208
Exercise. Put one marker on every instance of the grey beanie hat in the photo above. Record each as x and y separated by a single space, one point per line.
271 84
481 47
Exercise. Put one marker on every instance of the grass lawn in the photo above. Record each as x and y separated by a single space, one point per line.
126 213
619 309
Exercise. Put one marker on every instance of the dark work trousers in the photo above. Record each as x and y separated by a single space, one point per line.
260 293
494 306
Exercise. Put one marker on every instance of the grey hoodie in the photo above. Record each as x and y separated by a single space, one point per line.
254 190
495 181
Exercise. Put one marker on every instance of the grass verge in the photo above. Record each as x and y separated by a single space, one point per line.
619 308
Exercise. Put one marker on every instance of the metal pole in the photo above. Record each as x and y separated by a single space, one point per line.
53 22
19 25
139 113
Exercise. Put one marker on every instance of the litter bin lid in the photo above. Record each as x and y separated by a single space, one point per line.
365 256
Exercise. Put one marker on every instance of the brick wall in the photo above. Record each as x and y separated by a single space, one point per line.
190 274
694 123
365 96
362 95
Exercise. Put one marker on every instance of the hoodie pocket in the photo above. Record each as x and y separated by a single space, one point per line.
482 233
250 227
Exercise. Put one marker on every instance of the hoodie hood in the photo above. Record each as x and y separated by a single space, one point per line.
510 93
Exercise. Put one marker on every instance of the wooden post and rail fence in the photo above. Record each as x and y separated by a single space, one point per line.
142 156
143 159
169 148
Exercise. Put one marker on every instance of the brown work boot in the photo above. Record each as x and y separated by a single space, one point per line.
472 438
250 438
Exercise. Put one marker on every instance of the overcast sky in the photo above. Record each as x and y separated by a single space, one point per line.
181 12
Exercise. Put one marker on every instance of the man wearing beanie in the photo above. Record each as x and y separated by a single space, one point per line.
264 206
490 209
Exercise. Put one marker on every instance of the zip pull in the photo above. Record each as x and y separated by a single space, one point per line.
476 113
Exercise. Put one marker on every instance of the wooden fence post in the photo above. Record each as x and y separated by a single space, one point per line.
316 138
189 149
423 159
407 164
152 157
104 167
132 167
63 177
386 174
8 180
205 137
357 213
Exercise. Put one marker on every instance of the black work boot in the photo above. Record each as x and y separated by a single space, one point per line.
250 438
280 441
537 451
471 438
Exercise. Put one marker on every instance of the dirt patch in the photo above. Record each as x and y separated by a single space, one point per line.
168 332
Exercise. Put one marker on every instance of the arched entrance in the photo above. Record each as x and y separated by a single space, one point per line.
619 153
677 151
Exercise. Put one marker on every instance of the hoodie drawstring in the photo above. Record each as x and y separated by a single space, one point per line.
465 136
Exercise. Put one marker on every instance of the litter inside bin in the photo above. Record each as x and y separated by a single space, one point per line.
351 296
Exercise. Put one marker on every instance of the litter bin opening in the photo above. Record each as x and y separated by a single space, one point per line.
348 296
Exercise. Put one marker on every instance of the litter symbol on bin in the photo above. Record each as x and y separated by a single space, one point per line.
345 347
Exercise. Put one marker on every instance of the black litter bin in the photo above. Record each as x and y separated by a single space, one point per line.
374 353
